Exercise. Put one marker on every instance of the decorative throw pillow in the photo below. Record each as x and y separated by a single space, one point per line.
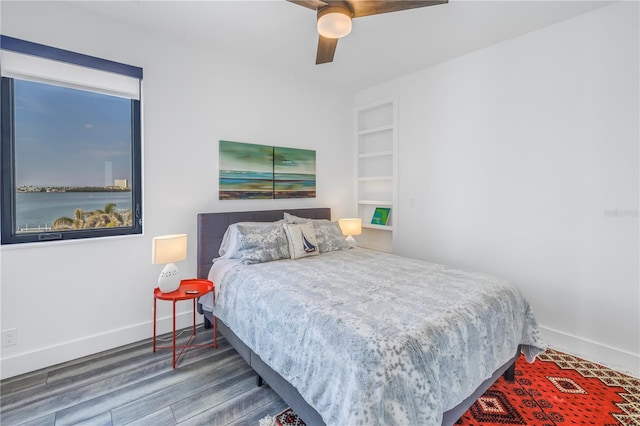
328 233
302 240
289 218
229 245
261 243
331 236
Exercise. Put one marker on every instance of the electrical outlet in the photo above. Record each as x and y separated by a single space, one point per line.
10 337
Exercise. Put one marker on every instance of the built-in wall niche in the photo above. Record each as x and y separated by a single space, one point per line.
376 141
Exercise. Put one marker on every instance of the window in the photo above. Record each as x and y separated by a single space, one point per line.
71 145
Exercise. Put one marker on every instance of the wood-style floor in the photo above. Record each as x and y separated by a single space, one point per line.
132 385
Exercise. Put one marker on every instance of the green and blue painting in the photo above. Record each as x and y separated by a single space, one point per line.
251 171
294 173
246 171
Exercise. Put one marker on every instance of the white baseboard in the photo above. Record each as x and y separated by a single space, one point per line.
46 357
614 358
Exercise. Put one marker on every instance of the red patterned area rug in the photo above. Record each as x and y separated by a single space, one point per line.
557 389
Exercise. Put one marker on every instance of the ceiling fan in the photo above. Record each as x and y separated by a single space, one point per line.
334 18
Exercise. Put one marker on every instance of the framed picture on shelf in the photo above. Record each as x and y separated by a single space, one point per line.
381 216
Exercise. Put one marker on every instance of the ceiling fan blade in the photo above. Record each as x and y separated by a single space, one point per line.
376 7
310 4
326 49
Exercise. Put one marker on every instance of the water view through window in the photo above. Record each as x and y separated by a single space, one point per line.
73 159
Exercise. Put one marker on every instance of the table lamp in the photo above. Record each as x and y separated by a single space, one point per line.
166 250
351 227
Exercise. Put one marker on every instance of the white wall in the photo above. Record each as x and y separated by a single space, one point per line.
516 156
70 299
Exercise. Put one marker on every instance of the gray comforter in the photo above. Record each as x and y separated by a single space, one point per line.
370 338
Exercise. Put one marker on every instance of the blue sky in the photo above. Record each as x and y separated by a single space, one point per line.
65 136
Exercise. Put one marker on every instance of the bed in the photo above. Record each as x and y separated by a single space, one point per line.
349 397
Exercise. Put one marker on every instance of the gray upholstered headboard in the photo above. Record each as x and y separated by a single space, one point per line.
212 226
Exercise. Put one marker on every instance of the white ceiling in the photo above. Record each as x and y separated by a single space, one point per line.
282 35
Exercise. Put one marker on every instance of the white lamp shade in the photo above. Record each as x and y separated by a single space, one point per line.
351 226
335 22
169 249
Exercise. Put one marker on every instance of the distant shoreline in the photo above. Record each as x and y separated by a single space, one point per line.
40 209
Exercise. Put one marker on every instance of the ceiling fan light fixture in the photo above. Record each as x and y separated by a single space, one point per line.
334 22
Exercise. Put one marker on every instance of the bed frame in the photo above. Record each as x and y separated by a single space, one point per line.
211 229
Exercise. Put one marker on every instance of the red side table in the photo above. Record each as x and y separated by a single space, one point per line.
189 289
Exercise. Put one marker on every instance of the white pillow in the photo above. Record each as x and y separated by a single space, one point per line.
302 240
227 240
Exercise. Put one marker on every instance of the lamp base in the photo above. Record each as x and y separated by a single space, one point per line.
170 278
351 241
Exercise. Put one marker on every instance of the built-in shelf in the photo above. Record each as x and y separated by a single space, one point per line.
376 154
378 129
374 178
377 171
381 203
378 227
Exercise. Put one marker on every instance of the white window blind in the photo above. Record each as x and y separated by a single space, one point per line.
33 68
